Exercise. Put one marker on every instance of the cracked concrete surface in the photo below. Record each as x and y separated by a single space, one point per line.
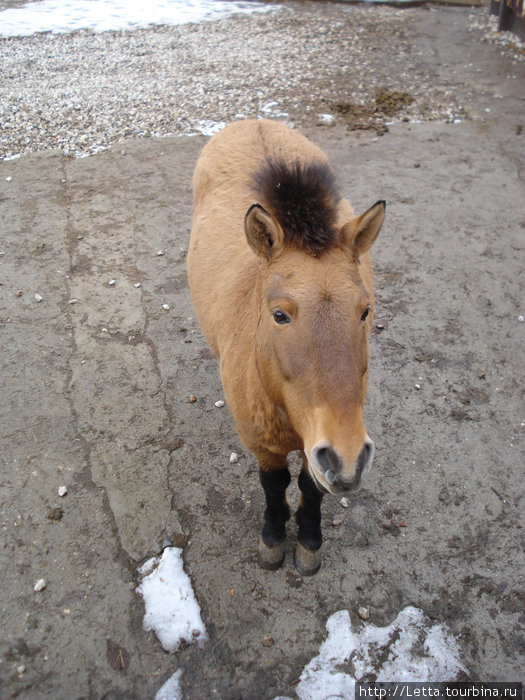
96 379
86 406
116 385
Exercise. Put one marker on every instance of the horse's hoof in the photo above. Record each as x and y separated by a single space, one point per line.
307 561
270 558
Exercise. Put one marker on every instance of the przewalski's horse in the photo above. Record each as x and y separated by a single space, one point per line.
281 282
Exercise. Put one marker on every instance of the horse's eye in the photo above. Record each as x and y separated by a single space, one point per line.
365 313
280 317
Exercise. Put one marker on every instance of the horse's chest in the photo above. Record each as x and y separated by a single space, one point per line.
273 430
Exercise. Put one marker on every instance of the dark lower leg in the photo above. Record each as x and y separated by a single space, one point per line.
277 512
308 515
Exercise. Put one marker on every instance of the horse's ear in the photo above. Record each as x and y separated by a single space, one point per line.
361 232
263 232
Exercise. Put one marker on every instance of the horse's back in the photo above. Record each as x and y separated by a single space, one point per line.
221 265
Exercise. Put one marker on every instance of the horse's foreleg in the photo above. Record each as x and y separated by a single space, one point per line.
275 478
308 517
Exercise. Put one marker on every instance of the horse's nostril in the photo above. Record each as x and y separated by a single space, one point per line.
329 462
365 457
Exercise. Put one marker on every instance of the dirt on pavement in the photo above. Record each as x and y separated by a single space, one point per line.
97 378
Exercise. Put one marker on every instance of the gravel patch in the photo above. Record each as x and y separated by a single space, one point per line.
301 62
510 44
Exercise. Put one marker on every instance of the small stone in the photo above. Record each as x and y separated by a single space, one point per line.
166 307
20 669
38 297
417 386
219 404
337 523
55 514
62 490
234 458
73 301
344 502
364 613
403 523
192 398
19 292
8 178
268 642
521 319
39 585
137 285
160 252
112 283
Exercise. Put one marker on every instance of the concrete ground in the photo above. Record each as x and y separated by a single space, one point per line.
96 379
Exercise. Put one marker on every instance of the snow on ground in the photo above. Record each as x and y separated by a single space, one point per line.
61 16
171 689
409 649
172 611
207 127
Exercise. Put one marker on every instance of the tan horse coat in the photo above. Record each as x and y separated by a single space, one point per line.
289 326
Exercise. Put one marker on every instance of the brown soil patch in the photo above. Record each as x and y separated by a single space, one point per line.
387 103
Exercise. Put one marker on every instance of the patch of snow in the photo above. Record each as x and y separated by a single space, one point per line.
207 127
269 110
172 611
60 16
92 151
409 649
171 689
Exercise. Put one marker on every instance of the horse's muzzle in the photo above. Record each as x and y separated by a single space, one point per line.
328 469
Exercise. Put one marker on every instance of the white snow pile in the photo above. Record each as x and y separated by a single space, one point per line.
171 689
408 649
207 127
172 611
60 16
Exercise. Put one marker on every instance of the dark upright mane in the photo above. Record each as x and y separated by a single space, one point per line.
303 197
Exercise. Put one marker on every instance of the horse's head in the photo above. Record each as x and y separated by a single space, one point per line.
316 311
